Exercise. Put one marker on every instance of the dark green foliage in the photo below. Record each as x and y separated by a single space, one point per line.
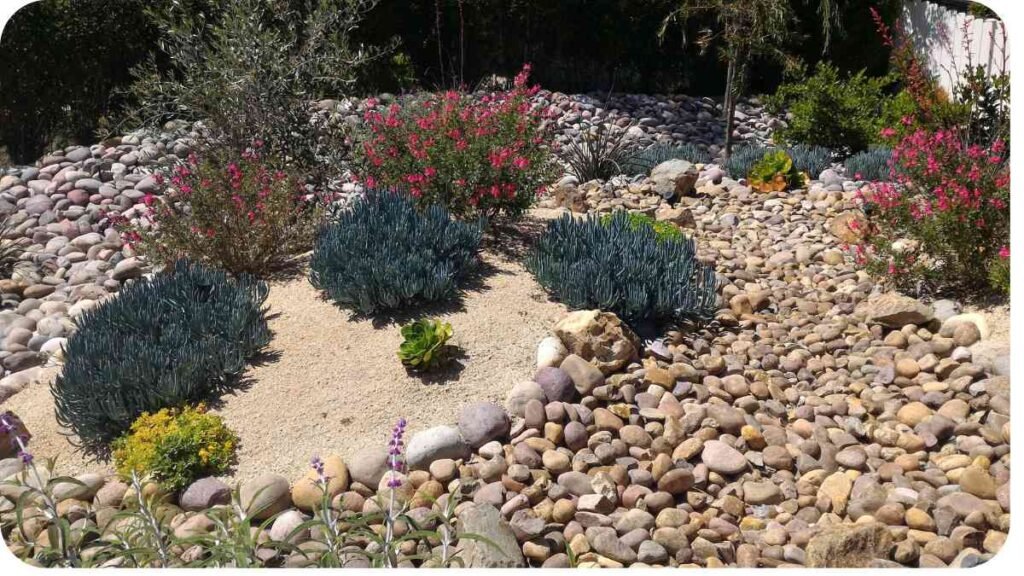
249 70
810 159
12 245
743 159
181 337
382 254
871 165
424 343
844 113
622 268
645 160
60 63
598 153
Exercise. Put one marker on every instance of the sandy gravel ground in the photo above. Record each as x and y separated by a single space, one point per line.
334 384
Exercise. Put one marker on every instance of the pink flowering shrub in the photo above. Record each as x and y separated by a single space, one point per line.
236 212
474 155
945 214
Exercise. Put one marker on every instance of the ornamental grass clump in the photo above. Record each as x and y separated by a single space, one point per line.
644 161
175 447
871 165
383 254
623 268
235 211
473 154
179 338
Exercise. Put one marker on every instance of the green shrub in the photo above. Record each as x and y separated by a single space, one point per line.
775 172
236 212
473 155
623 268
178 338
175 447
12 245
644 161
423 343
743 158
871 165
663 230
600 152
999 272
811 160
827 109
249 69
383 254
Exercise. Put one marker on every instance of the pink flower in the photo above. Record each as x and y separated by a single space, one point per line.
1004 252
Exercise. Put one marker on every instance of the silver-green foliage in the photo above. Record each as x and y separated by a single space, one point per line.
810 159
384 254
871 165
743 159
180 337
618 267
645 160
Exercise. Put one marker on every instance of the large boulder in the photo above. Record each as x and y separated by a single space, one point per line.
482 422
265 496
599 338
308 495
894 310
368 465
204 493
495 545
434 444
521 394
674 178
848 546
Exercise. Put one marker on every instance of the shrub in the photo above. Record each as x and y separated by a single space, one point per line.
423 343
871 165
12 245
829 110
251 68
775 172
644 161
175 447
945 216
663 230
811 160
472 155
383 254
623 268
238 213
999 271
177 338
599 152
742 160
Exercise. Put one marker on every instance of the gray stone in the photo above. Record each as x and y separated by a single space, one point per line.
433 444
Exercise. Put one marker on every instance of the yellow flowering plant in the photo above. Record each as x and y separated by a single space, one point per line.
174 447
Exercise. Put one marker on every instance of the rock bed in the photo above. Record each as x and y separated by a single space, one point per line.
73 259
818 422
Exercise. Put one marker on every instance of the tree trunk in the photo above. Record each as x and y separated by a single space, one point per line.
728 106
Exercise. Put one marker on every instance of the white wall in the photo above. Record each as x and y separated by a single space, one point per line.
938 33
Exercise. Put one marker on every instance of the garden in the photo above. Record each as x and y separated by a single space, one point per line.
301 293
